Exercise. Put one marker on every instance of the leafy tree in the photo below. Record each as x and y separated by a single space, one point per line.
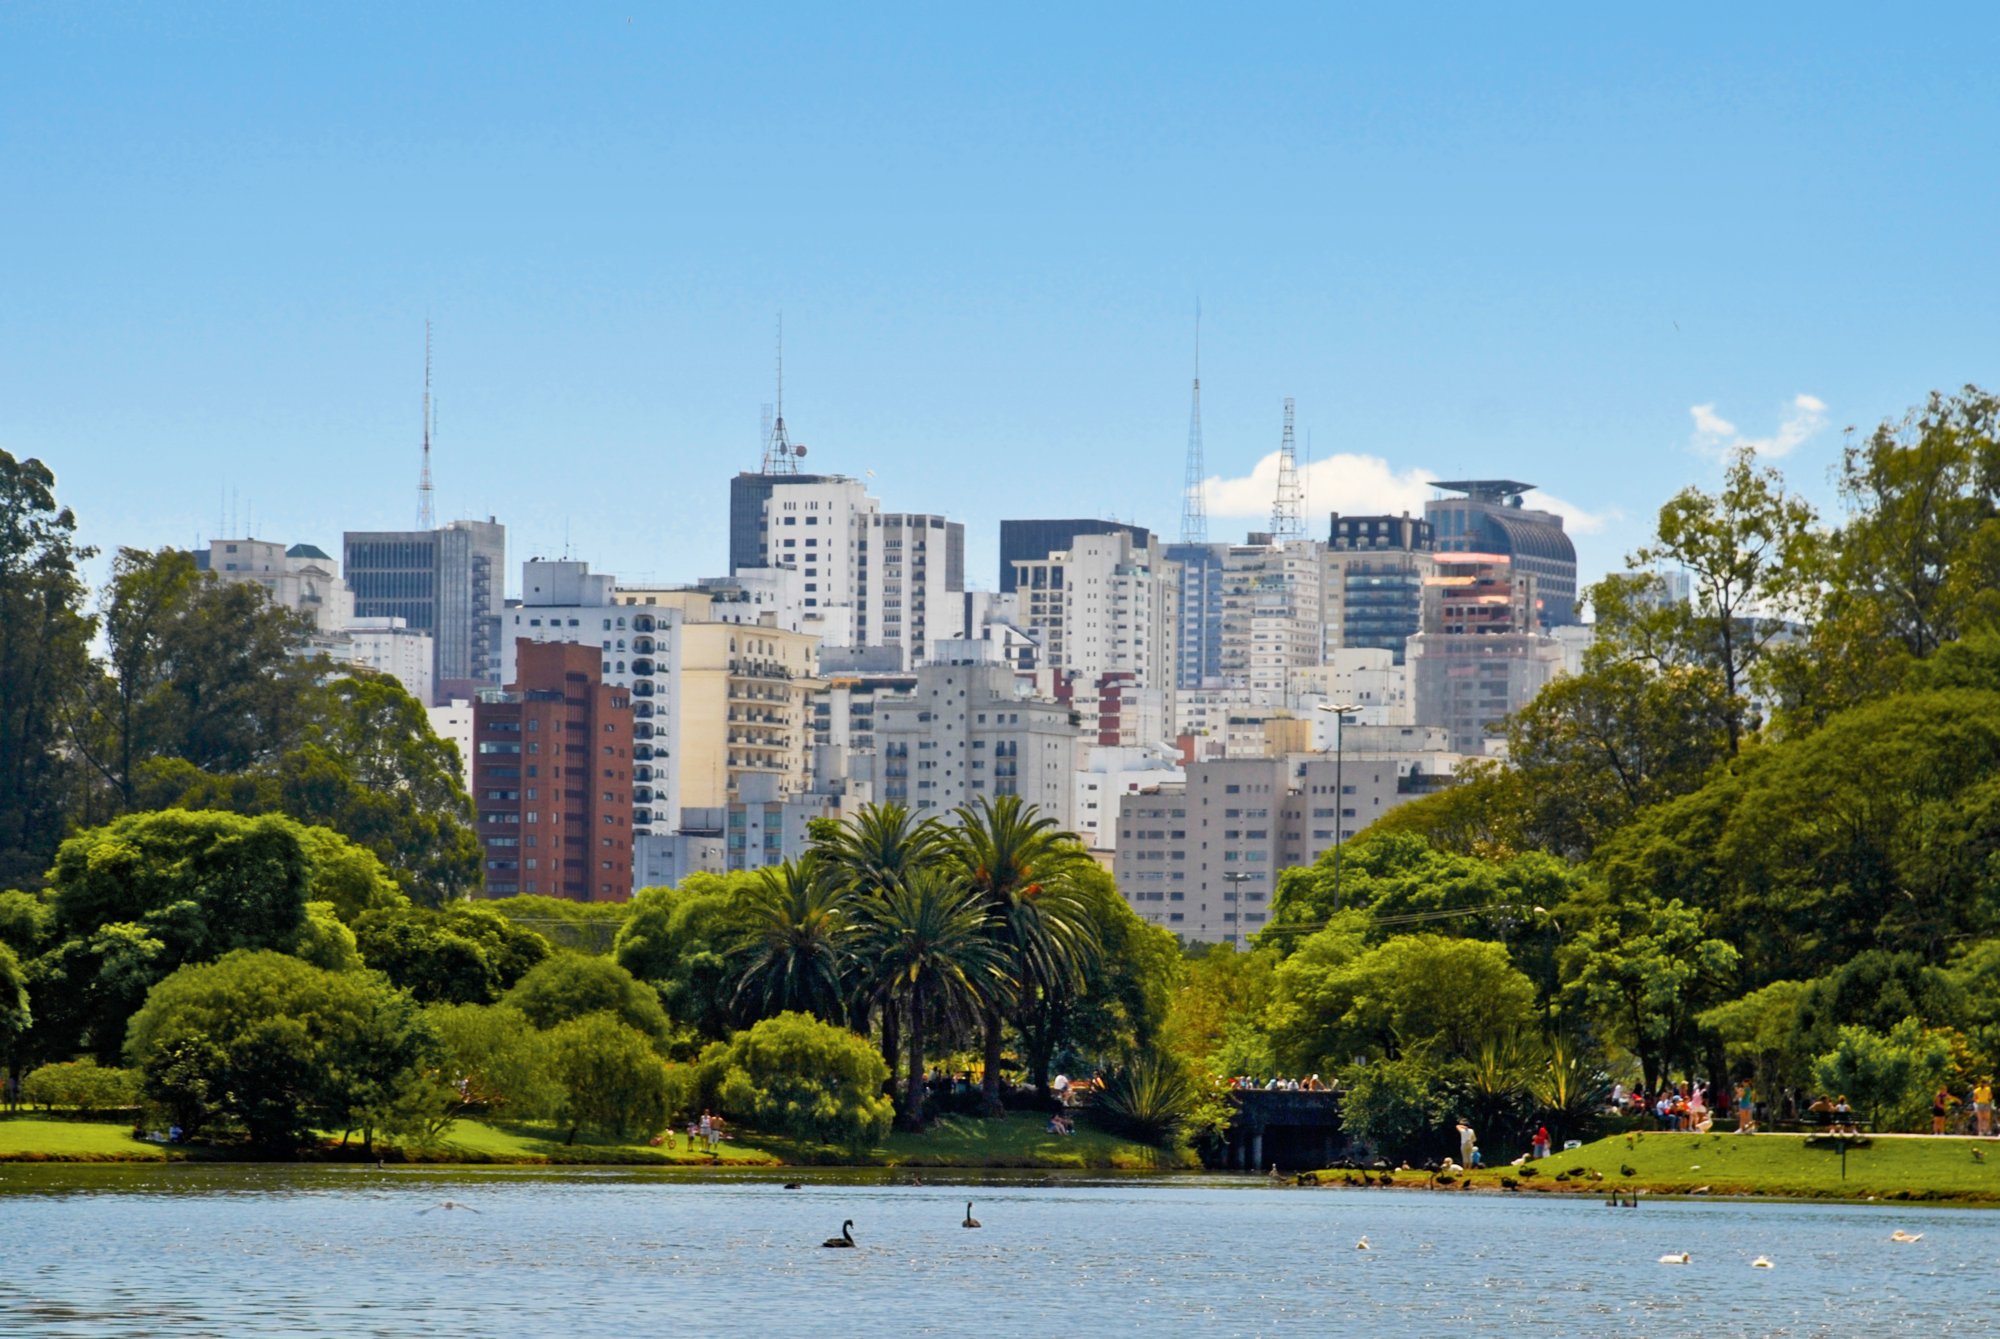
1874 990
1890 1076
570 986
278 1047
1215 1019
44 663
463 954
324 941
366 765
1401 1106
493 1060
587 927
1644 974
925 938
867 854
15 1015
1758 1031
1024 870
26 922
795 952
796 1075
679 939
201 670
608 1077
1750 551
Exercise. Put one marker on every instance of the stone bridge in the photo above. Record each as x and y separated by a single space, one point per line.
1294 1131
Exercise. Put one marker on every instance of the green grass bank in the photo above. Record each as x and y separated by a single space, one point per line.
1018 1141
1946 1170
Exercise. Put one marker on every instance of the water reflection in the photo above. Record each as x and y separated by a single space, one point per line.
204 1250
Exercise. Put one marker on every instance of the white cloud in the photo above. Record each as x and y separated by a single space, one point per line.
1717 436
1575 519
1353 485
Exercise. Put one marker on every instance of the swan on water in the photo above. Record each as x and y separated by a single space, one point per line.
846 1237
1761 1262
1682 1259
1363 1245
970 1221
1900 1235
448 1204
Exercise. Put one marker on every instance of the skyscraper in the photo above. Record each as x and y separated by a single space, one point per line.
1493 518
449 582
1031 541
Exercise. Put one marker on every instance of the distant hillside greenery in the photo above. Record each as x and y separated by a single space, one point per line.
1755 841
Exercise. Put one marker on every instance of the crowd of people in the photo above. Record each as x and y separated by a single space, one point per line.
1312 1083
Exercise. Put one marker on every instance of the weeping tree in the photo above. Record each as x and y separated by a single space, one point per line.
1023 868
925 938
795 951
868 855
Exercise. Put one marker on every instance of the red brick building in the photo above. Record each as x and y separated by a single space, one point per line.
552 778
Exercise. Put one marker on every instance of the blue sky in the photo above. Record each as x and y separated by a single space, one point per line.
1554 245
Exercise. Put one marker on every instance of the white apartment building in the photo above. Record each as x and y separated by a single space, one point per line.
966 732
391 646
1366 678
1202 857
1271 614
453 722
1107 775
1104 605
866 577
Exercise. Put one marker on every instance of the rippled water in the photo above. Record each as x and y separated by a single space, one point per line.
243 1250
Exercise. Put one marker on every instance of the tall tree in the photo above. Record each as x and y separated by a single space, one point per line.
1022 867
44 663
869 853
925 937
794 956
1751 553
202 671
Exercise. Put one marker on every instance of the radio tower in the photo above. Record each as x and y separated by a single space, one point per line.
1288 520
426 508
780 456
1194 509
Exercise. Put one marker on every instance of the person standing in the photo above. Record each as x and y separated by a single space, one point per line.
1541 1142
1982 1107
1466 1143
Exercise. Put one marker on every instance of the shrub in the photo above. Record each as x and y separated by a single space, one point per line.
1154 1100
569 986
84 1085
795 1075
608 1078
1401 1108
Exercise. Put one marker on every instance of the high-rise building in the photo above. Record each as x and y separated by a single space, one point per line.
1481 655
966 732
1198 647
1031 541
1271 614
553 778
1106 604
1374 587
1492 517
449 582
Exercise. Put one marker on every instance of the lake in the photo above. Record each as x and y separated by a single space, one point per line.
204 1250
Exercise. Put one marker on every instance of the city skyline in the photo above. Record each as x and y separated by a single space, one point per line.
1503 245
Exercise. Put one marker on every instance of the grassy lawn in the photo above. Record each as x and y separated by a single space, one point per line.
478 1141
26 1139
1021 1140
1764 1164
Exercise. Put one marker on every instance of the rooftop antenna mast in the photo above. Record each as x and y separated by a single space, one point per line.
426 504
1288 509
780 456
1194 509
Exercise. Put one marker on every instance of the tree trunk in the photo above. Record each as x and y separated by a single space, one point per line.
913 1102
990 1080
891 1034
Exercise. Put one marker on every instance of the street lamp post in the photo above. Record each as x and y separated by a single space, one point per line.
1340 712
1236 879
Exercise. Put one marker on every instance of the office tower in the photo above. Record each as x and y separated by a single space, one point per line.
449 582
1374 587
1031 541
1492 517
1481 655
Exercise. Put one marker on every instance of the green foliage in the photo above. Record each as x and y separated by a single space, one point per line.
1154 1098
278 1047
1215 1021
1873 990
493 1060
1758 1032
569 986
462 954
798 1076
82 1085
794 952
1401 1107
1643 974
607 1077
15 1015
45 668
26 922
325 942
1332 1000
1888 1077
587 927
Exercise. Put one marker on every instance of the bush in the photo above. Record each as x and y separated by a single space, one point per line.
83 1085
795 1075
1889 1077
1154 1100
608 1078
569 986
1401 1108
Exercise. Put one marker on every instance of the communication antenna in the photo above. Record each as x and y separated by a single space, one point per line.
780 456
1194 509
1287 509
426 504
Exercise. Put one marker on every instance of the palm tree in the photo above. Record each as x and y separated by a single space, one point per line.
1020 865
926 939
869 853
794 953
